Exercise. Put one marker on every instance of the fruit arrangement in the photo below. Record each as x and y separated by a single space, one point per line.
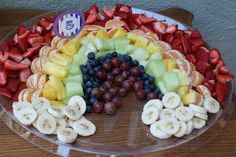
54 81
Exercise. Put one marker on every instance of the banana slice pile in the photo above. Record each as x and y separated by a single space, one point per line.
65 122
170 117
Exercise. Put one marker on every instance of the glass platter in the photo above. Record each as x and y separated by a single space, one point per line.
122 133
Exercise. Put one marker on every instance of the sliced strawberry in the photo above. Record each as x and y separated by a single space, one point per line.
23 44
25 34
172 28
214 56
6 44
4 57
46 23
91 19
195 35
186 44
26 61
188 32
125 8
24 74
208 85
126 26
117 18
15 38
11 74
3 77
93 9
52 33
160 27
202 67
21 30
137 21
101 23
11 65
218 65
6 92
35 56
133 16
122 14
178 34
191 58
176 42
15 54
145 29
13 84
196 44
132 24
20 88
109 13
31 51
210 75
160 36
179 48
38 29
47 37
146 20
100 17
202 54
168 37
35 34
34 40
221 91
224 78
224 69
118 6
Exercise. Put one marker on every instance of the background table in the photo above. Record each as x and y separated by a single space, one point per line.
11 145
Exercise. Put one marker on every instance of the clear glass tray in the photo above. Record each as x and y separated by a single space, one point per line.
122 133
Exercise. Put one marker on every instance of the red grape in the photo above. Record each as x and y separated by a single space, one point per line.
119 80
115 61
141 95
107 96
110 108
96 92
128 85
152 95
106 66
138 85
116 101
101 74
124 66
116 71
135 71
122 92
98 107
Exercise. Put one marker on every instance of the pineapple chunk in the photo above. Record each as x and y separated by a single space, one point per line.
182 90
102 34
54 69
189 98
59 59
134 38
71 47
57 103
170 64
49 92
152 48
120 33
58 85
140 44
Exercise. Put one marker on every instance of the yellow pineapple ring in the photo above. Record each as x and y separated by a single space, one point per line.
184 65
204 91
114 23
196 78
176 54
165 47
54 41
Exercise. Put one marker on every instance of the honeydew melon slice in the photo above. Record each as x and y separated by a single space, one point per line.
103 45
103 53
120 44
140 54
130 48
155 56
74 78
170 80
73 88
74 69
156 68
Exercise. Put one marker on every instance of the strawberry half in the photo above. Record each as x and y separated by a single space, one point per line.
214 56
195 35
11 74
20 88
168 37
6 92
172 28
146 20
93 9
221 91
6 44
218 65
3 77
31 51
191 58
109 13
210 75
47 37
91 19
178 34
202 67
122 14
13 84
224 69
21 30
202 54
145 29
176 42
14 66
24 74
186 44
224 78
23 44
132 24
196 44
4 57
15 54
46 23
160 27
35 40
125 8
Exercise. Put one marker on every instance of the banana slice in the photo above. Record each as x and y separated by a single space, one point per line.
72 112
69 122
150 115
182 129
189 127
167 113
41 104
157 132
171 100
26 116
46 123
197 109
57 112
198 123
17 106
79 102
169 126
154 102
66 135
211 105
60 123
201 115
184 114
84 127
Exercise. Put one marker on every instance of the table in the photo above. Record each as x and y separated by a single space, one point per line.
12 145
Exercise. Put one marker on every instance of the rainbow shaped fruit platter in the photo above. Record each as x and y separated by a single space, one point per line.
163 76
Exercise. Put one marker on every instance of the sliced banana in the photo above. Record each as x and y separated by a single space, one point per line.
60 123
72 112
46 123
70 122
57 112
211 105
157 132
79 102
184 114
198 123
150 115
84 127
171 100
66 135
41 104
182 129
169 126
189 127
197 109
17 106
201 115
154 102
167 113
26 116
